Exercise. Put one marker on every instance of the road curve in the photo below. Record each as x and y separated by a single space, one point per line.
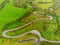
42 38
50 17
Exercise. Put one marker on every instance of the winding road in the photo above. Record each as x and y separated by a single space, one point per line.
35 32
5 35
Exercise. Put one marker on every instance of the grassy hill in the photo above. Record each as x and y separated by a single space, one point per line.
12 17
